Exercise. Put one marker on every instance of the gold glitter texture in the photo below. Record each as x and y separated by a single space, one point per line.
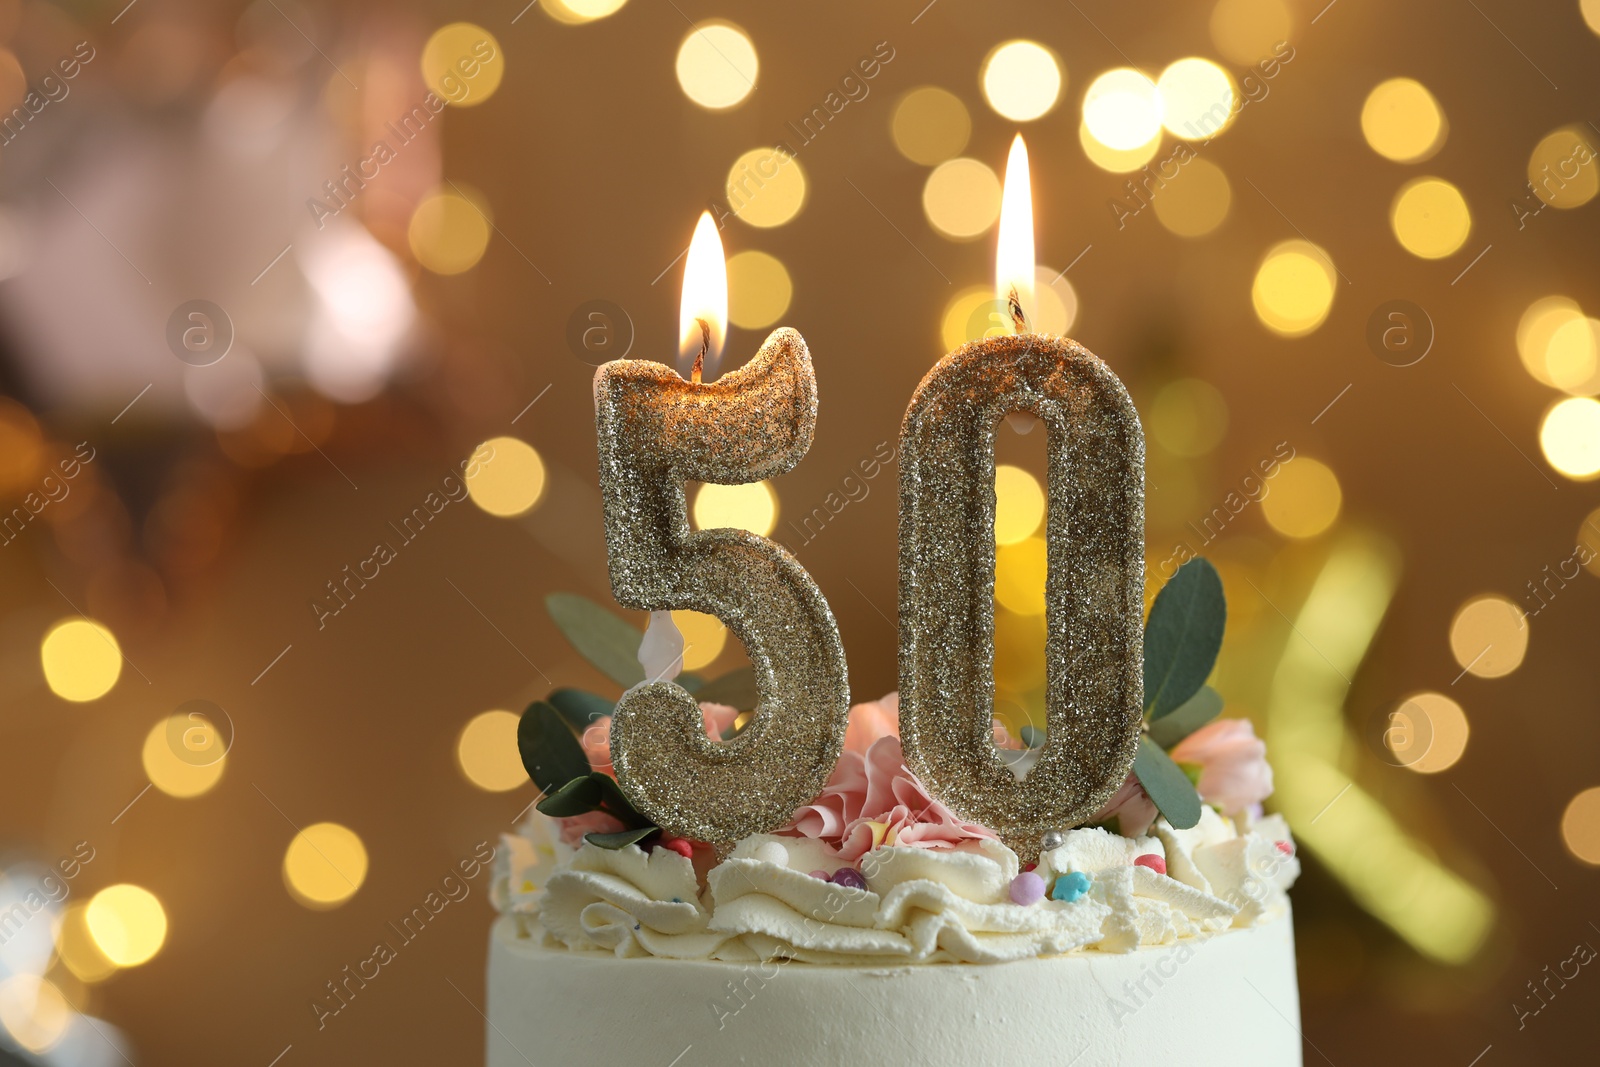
1094 592
657 431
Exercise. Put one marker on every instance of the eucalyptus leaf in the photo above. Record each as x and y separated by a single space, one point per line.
1032 736
603 638
579 708
1182 637
736 689
1167 785
550 752
577 797
691 681
1187 718
622 838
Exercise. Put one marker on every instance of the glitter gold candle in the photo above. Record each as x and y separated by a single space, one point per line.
1095 584
656 431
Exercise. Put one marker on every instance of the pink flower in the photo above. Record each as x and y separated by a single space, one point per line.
874 800
870 721
1131 806
596 740
571 830
1234 773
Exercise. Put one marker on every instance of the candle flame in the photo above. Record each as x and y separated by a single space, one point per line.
1013 264
703 311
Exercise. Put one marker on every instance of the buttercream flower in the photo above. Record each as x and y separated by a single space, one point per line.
1234 773
572 829
596 740
1131 806
870 721
875 800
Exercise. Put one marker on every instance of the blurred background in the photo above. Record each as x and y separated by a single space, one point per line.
273 271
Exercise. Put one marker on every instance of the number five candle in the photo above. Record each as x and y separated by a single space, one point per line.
656 431
1095 584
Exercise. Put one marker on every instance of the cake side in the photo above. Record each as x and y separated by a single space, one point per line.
1223 999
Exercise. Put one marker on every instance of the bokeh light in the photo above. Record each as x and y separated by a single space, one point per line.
1570 437
1437 726
184 756
1541 323
759 290
1022 80
487 752
1304 499
577 12
448 233
323 866
1246 30
960 324
1019 576
1489 636
1580 825
127 923
1115 160
81 659
717 65
33 1012
1188 417
1122 109
1572 356
1563 168
1589 538
1055 302
463 64
704 637
510 481
752 506
1294 287
1402 121
766 187
1195 202
930 125
76 946
1198 98
1430 218
1590 9
1019 504
961 198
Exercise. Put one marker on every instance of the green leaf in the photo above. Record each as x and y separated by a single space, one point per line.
736 689
602 638
1032 736
579 708
578 797
690 681
1167 785
622 838
1187 718
1182 636
550 752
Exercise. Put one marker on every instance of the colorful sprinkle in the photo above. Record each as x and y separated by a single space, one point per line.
820 874
1070 886
1027 888
1284 847
1029 866
849 876
1153 861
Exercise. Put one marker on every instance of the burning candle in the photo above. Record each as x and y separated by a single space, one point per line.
656 431
1095 584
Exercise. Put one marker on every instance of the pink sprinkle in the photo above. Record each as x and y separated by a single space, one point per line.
1153 861
1027 888
1029 866
1286 848
820 874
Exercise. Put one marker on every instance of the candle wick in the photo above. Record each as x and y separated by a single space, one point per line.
1018 319
700 357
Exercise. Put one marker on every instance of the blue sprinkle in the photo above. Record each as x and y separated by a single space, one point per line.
676 900
636 926
1070 886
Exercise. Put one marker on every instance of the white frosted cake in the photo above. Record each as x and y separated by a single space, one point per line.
878 927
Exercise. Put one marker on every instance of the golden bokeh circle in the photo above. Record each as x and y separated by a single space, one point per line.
1123 109
1304 498
1247 30
717 65
930 125
509 481
1430 218
1019 504
704 638
1196 202
448 233
462 64
1538 327
81 659
1580 826
752 506
1489 636
1114 160
961 198
127 923
324 865
766 187
577 12
759 290
192 773
1570 437
1562 168
486 752
1402 121
1188 417
1019 576
1589 540
1022 80
76 946
34 1012
1446 733
1197 96
1294 287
